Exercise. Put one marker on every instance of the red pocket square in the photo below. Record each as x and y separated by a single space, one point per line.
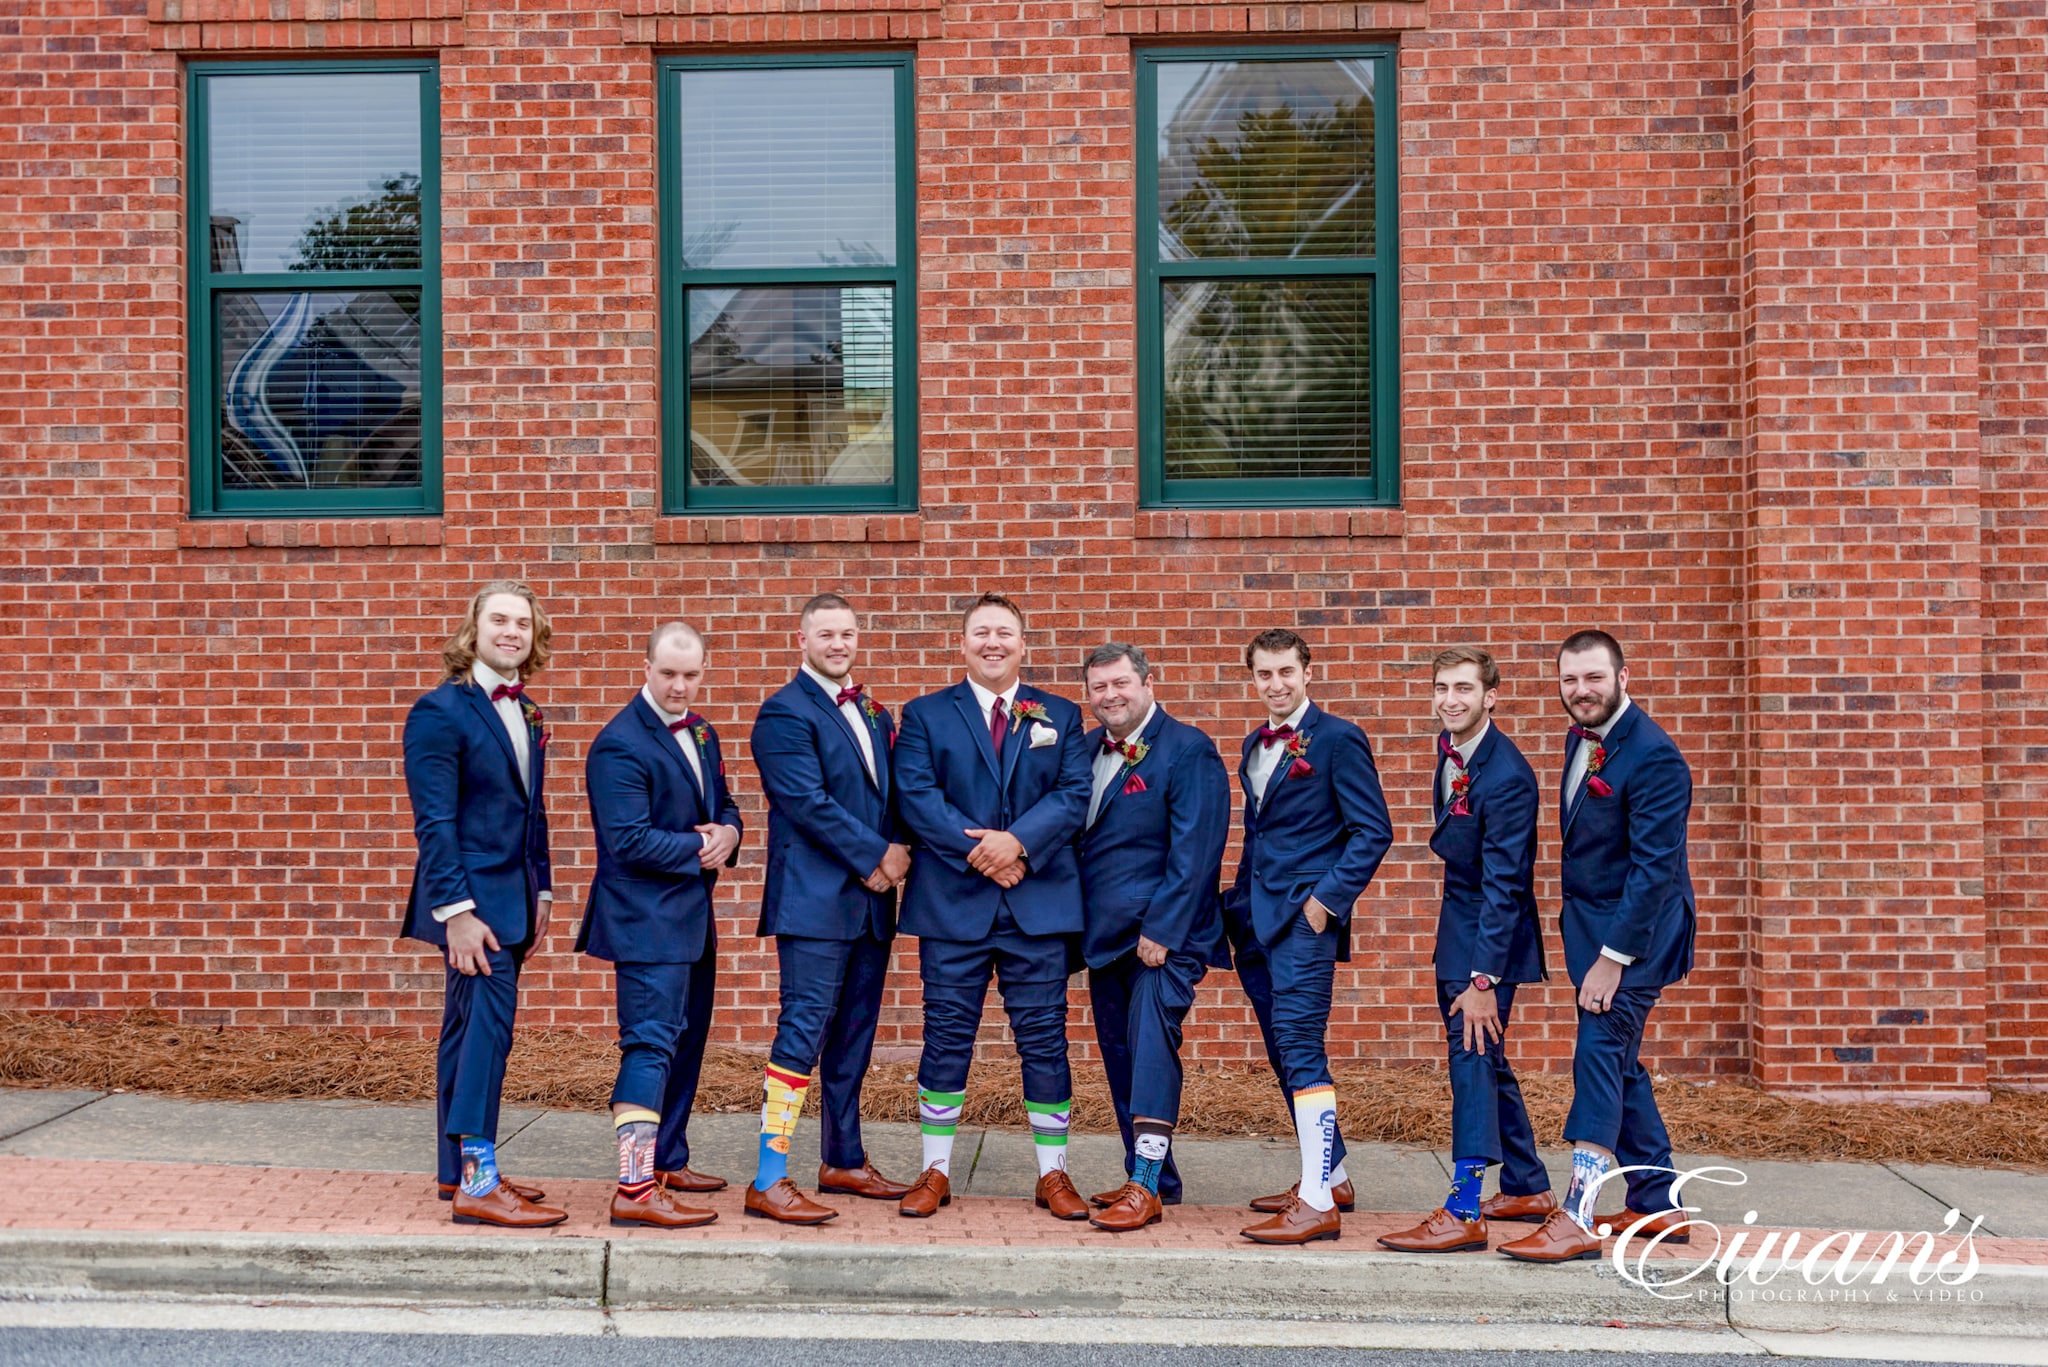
1301 768
1599 787
1459 808
1134 784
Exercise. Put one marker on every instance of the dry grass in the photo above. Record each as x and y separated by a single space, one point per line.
559 1070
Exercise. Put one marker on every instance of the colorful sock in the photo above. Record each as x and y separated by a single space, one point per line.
1468 1178
785 1102
636 1130
938 1115
1315 1125
1588 1167
479 1166
1151 1142
1049 1133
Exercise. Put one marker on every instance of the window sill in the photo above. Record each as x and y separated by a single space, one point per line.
1246 524
232 533
717 530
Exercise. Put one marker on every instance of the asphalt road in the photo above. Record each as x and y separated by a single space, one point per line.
20 1347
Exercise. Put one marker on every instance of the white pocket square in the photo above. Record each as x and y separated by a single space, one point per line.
1043 735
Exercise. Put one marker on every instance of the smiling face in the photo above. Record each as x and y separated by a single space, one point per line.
993 646
1589 685
675 673
1119 696
830 638
1462 701
504 632
1281 680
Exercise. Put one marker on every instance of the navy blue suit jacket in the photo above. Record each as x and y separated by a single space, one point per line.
482 836
1488 923
1626 882
829 821
1318 834
949 780
650 901
1150 863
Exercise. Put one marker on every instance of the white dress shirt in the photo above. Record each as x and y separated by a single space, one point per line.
987 702
1575 779
1265 760
1451 771
514 717
685 742
850 709
1108 764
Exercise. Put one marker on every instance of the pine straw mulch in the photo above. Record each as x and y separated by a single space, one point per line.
564 1071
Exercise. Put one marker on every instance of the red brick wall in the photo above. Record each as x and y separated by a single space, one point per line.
1720 328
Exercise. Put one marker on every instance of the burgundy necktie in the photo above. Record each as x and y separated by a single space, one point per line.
1448 750
1268 734
998 723
848 694
511 691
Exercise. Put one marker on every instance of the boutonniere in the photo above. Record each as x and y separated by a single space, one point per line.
1297 751
1134 755
1596 785
1460 786
701 729
536 720
872 710
1025 709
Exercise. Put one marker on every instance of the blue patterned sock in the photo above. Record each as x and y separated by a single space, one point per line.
1588 1167
1150 1146
1468 1176
479 1166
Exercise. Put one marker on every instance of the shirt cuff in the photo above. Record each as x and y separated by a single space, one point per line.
1491 977
545 896
1617 956
454 909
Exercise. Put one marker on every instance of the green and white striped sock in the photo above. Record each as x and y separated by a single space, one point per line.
1049 1133
938 1115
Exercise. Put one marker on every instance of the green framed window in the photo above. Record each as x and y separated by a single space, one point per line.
788 237
313 201
1268 370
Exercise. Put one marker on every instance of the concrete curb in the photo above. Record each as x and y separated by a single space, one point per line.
1200 1283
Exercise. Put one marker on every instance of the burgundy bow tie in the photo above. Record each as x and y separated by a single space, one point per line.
507 691
851 693
1590 737
1448 750
1268 734
1112 746
689 719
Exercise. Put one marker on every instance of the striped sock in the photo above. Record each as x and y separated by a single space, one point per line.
1315 1125
938 1115
1049 1133
479 1166
636 1130
784 1103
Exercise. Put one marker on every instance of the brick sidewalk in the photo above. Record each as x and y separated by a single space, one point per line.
127 1197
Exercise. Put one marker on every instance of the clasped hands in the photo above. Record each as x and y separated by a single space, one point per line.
890 873
999 856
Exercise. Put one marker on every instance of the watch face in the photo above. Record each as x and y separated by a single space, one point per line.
1482 982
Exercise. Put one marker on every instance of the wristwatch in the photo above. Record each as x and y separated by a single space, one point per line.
1482 983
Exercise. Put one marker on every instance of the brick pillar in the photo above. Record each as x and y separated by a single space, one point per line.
1866 811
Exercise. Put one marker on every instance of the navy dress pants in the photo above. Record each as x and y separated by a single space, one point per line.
469 1067
1613 1105
1139 1014
1291 985
831 1000
679 1096
1031 973
1488 1117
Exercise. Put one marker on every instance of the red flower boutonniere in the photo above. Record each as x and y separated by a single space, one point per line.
1024 710
1460 786
1596 785
1134 755
874 713
536 721
1297 751
701 729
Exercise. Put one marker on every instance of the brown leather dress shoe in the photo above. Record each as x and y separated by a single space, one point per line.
862 1181
505 1207
1559 1241
1056 1193
446 1190
660 1209
1342 1194
1529 1210
785 1203
1107 1198
682 1179
1442 1232
1295 1223
1623 1222
930 1191
1134 1208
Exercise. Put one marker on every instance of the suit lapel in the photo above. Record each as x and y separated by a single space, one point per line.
977 726
817 696
1285 762
1016 742
1616 735
669 744
1148 737
488 710
1436 790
